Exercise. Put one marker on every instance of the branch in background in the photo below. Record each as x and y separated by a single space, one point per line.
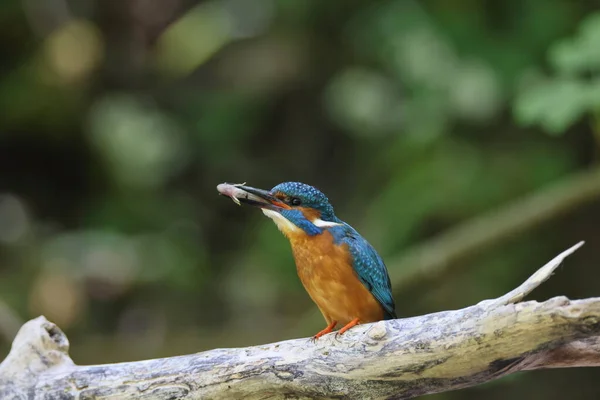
434 257
398 358
445 253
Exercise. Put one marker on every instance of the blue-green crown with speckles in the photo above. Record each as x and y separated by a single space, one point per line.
310 197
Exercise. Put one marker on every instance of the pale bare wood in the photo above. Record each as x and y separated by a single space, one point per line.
401 358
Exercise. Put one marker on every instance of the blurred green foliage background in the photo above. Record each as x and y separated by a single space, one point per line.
425 122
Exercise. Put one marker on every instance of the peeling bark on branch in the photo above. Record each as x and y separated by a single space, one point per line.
398 359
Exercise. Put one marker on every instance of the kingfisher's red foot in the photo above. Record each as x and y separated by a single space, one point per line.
349 325
326 330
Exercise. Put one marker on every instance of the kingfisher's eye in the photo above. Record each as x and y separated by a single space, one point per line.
295 201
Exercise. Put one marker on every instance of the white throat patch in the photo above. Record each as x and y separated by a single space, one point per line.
282 223
286 226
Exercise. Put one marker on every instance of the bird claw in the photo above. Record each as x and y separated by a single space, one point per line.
338 334
349 325
325 331
316 337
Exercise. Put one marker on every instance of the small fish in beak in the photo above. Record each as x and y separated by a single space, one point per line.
232 191
250 196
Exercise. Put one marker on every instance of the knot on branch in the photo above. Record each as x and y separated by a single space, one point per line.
38 346
591 324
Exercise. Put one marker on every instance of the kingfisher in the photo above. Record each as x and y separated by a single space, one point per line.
342 273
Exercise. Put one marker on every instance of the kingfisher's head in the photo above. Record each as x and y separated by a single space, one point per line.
294 207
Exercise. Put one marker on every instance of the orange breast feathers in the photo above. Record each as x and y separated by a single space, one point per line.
326 272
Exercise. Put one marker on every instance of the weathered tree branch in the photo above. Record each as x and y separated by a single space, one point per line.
401 358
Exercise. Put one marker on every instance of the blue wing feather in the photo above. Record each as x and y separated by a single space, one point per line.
369 267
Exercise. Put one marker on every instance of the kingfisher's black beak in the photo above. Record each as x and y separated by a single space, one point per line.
251 196
257 197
